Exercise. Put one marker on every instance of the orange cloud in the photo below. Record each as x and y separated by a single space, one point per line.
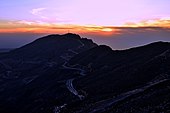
163 22
44 27
24 26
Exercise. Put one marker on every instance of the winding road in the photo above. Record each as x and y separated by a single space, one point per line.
101 106
81 71
71 88
69 82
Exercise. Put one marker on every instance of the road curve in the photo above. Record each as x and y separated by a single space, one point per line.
81 71
69 82
71 88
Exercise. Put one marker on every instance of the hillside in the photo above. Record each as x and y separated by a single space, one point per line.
70 74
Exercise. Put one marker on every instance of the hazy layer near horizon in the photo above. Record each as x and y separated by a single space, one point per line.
127 38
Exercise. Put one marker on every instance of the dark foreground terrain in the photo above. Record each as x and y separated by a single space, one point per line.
70 74
5 50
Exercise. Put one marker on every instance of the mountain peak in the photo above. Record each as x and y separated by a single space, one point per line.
58 36
53 46
71 35
67 35
104 47
158 43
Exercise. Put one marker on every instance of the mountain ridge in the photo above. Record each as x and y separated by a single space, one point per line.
70 74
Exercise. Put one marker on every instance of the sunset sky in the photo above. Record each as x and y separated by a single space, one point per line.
94 18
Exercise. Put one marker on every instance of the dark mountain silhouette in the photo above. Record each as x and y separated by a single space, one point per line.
115 72
5 50
51 47
70 74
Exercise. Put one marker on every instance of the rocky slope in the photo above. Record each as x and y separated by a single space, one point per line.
70 74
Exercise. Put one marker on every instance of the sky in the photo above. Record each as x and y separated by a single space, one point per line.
104 20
